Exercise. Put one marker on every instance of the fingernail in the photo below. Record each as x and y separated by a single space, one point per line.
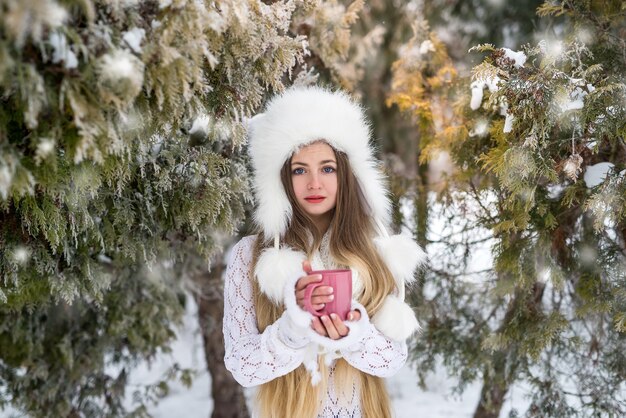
349 317
333 316
324 318
331 297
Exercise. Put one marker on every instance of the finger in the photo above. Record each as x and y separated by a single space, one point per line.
330 328
341 328
300 293
315 306
322 299
316 303
354 315
306 266
323 291
318 327
321 296
304 281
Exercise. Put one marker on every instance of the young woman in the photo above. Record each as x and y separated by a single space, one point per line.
321 204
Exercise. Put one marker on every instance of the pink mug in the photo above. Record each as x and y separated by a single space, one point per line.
341 282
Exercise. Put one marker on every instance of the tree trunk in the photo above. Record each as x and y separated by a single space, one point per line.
228 398
494 390
498 379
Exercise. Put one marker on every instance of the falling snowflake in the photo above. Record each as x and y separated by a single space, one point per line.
21 255
6 178
480 128
45 147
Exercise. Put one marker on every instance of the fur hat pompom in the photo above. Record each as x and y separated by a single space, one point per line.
396 319
402 256
275 268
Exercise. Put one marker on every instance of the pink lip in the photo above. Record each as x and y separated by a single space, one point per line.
314 199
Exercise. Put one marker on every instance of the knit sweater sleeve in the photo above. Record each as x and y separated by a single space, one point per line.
376 354
251 356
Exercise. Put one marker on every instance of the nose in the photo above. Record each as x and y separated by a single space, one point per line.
314 181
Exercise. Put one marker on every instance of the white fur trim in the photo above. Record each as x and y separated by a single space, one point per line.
298 316
331 356
402 256
310 363
275 268
297 117
396 319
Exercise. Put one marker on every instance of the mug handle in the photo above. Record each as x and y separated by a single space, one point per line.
308 292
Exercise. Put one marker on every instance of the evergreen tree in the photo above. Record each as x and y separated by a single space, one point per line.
380 38
527 137
121 126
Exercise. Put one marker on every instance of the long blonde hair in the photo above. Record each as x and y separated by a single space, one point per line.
351 244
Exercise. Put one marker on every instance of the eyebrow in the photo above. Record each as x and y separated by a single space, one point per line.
306 165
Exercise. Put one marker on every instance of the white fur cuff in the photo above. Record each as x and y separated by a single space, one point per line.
298 316
396 319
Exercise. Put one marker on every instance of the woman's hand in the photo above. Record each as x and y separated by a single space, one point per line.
328 326
332 326
321 294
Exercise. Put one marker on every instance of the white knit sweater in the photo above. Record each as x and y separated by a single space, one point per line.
255 358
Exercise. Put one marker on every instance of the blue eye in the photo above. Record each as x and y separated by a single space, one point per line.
328 170
298 170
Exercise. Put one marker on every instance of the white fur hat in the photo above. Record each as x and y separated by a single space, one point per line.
295 118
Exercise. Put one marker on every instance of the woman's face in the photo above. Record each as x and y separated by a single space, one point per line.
314 180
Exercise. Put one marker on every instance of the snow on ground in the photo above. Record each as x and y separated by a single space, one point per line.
188 352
